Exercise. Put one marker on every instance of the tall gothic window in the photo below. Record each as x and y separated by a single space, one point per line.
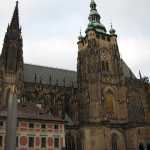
109 98
105 66
114 142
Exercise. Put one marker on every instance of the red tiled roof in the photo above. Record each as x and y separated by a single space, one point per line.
31 112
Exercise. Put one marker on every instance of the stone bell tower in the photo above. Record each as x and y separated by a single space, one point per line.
99 78
12 56
98 67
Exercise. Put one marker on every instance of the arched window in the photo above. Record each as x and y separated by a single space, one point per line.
109 98
141 147
114 142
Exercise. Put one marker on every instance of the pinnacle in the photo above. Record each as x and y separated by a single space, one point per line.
15 19
92 1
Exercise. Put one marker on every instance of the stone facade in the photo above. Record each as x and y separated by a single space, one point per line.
104 105
113 102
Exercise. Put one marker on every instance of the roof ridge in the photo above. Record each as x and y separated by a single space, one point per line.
48 67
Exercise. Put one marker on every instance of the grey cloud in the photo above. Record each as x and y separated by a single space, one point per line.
61 19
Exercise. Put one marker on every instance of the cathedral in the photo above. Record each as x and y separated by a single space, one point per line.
104 106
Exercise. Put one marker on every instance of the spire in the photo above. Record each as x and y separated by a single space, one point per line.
94 15
140 74
80 36
15 19
112 31
80 32
12 54
94 19
93 5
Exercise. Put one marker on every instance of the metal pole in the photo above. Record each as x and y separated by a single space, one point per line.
11 121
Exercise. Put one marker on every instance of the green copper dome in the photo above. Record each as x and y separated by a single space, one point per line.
94 20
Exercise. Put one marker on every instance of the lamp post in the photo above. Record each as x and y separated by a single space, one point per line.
11 120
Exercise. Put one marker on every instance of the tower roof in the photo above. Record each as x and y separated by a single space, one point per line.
12 54
15 18
112 31
94 19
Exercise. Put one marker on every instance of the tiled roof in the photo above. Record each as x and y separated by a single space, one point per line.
30 111
58 76
126 70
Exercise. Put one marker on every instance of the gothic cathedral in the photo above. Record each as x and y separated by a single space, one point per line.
104 105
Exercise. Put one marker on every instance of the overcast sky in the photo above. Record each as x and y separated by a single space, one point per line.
50 29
